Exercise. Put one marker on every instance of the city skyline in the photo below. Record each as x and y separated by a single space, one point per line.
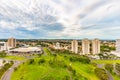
60 19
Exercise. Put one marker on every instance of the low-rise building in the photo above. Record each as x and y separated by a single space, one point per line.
3 46
26 50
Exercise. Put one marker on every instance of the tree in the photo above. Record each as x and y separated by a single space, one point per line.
41 61
4 61
3 54
101 73
30 61
117 67
109 67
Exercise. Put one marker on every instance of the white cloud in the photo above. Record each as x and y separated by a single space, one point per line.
74 15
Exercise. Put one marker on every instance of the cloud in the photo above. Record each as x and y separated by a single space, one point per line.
59 18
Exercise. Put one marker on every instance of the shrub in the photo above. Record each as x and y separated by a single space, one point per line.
57 63
71 70
66 78
11 62
3 54
41 61
101 73
4 61
82 59
30 61
4 68
117 67
109 67
15 68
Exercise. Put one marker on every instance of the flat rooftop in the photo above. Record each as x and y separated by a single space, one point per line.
26 49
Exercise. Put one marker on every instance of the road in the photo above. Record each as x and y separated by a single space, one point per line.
109 74
8 73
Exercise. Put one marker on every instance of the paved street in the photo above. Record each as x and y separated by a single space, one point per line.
109 74
8 73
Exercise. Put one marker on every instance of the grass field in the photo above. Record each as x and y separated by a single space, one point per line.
106 61
46 72
15 57
56 71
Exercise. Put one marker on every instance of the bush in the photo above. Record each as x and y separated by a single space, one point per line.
4 68
109 67
66 78
39 55
101 73
3 54
15 68
82 59
117 67
41 61
4 61
57 63
11 62
71 70
30 61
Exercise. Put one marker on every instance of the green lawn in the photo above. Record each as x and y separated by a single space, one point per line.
15 57
36 72
106 61
47 51
46 72
41 72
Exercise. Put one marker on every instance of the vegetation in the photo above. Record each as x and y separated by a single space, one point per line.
107 56
64 65
5 67
3 54
117 67
101 73
15 57
105 48
55 66
108 64
106 61
109 67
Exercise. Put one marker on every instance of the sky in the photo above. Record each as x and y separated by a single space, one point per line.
60 19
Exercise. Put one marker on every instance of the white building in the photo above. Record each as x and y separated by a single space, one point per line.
95 46
32 50
3 46
118 45
74 46
57 46
1 62
11 42
85 46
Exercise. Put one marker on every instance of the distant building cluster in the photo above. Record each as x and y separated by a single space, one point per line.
11 47
82 47
86 46
74 46
5 46
118 45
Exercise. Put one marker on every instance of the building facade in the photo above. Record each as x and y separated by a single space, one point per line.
74 46
57 45
11 42
85 46
118 45
95 46
3 46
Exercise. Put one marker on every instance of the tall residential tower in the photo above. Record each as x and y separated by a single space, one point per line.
85 46
118 45
74 46
11 42
95 46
